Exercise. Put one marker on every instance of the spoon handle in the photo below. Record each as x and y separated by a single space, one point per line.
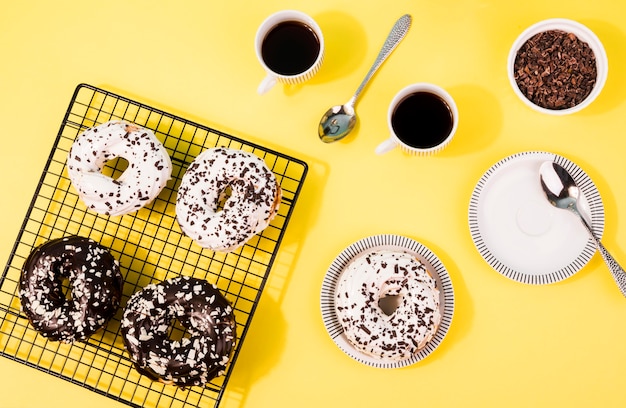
399 30
616 270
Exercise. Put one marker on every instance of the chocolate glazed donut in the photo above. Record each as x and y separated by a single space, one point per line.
201 309
95 282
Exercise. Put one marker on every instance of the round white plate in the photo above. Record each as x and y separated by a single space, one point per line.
519 233
395 243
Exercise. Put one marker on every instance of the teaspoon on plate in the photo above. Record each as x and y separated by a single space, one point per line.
339 120
562 192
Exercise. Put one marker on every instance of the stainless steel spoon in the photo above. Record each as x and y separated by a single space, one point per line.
339 120
562 192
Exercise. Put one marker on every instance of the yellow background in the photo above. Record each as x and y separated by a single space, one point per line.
510 344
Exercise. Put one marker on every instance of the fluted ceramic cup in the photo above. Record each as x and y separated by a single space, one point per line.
417 149
271 76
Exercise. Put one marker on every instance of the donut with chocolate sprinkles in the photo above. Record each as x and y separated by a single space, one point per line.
149 167
220 221
95 288
202 353
387 303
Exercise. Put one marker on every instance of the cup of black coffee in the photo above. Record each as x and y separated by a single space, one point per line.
422 119
290 47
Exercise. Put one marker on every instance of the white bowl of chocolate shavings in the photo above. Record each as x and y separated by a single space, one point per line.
557 66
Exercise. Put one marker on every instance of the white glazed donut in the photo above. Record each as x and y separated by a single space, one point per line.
149 167
376 275
254 198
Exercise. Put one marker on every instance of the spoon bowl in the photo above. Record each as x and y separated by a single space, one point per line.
562 192
336 123
339 120
559 186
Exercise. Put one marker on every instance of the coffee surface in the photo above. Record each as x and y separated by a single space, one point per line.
422 120
290 48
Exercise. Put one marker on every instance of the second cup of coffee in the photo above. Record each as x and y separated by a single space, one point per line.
290 46
422 119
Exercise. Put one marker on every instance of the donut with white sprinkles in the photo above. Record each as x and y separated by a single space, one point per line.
388 333
253 202
202 353
95 283
149 167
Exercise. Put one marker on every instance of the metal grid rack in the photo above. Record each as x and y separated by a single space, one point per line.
149 246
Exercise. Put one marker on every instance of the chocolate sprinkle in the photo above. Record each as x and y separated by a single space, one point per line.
555 70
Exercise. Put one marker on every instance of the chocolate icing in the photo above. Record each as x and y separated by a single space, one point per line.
95 284
201 309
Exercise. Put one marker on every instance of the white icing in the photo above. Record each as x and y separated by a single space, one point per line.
378 274
149 167
253 203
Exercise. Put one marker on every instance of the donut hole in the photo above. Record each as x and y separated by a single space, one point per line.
224 197
65 288
389 303
115 167
61 289
176 331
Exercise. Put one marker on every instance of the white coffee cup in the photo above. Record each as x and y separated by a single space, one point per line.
422 119
300 63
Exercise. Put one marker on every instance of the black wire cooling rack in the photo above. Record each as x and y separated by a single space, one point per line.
149 246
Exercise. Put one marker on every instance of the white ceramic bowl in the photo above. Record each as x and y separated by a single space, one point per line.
584 34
